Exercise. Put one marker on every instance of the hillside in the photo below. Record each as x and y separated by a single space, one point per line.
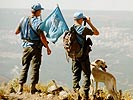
53 91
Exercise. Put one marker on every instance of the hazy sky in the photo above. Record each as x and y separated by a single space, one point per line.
72 4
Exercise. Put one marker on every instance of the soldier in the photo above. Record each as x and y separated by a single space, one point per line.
33 41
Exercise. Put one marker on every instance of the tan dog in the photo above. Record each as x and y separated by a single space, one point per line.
98 75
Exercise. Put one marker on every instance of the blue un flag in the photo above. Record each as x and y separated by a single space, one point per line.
54 25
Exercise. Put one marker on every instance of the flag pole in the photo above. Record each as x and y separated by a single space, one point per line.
57 5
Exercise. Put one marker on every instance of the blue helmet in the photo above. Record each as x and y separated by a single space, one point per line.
78 15
36 7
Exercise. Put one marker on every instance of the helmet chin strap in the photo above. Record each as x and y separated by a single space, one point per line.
41 17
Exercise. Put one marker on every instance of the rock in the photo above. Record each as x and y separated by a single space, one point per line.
63 95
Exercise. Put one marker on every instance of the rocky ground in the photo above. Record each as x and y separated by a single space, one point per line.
52 91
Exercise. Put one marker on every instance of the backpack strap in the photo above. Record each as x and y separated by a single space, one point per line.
73 28
78 36
29 22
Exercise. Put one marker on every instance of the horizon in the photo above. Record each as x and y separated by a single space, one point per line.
118 5
72 10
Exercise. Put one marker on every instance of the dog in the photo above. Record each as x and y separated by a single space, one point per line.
99 75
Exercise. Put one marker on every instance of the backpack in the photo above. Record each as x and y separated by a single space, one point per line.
72 46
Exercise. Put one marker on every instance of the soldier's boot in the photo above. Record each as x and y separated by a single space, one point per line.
20 89
33 89
78 97
85 95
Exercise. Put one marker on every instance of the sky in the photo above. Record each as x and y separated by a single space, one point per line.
126 5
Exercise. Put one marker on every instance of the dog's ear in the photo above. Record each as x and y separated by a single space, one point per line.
97 61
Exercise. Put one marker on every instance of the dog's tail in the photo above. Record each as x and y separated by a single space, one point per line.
114 85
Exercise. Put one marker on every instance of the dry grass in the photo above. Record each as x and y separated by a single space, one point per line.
8 91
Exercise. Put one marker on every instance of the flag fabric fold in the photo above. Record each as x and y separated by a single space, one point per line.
54 25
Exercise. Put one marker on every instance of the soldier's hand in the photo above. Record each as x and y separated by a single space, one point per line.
48 51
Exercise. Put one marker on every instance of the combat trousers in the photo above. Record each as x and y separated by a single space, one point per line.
31 56
79 66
